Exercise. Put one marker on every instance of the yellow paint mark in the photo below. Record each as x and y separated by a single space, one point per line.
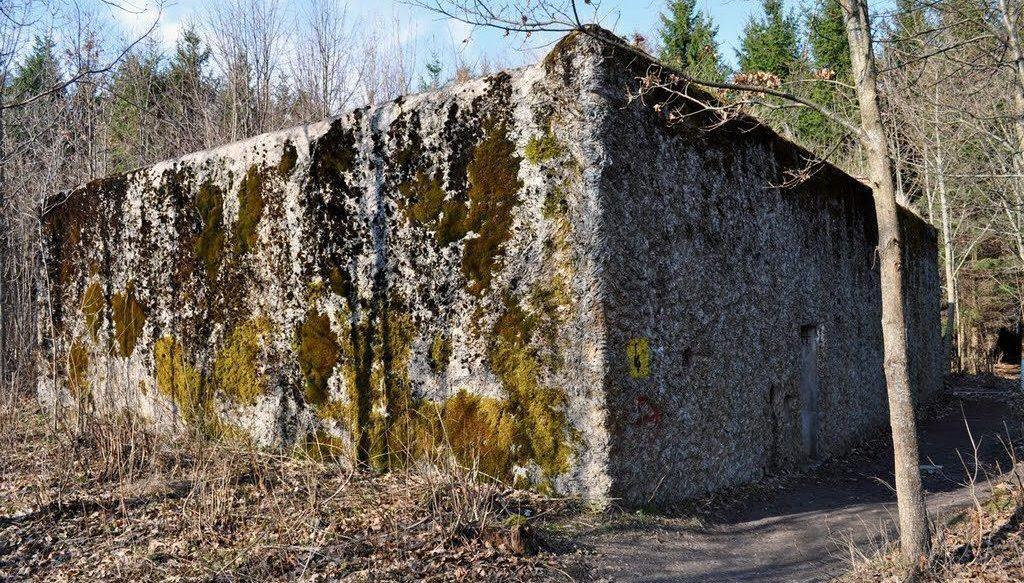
638 355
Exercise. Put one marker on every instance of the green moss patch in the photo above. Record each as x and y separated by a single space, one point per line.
546 147
318 351
289 156
390 431
493 194
440 353
129 319
540 408
482 430
555 205
92 308
340 282
236 368
332 154
78 372
356 365
321 446
563 46
209 245
426 203
250 210
178 379
493 173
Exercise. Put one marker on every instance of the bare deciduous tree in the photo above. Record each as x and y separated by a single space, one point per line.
325 69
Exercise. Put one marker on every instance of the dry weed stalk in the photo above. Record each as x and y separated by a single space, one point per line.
964 546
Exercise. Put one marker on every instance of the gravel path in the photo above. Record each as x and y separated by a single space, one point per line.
803 531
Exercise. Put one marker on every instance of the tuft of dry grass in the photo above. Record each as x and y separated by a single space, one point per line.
116 501
984 542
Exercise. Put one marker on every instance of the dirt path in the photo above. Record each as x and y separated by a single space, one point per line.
802 531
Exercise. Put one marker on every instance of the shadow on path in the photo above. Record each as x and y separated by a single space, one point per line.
804 531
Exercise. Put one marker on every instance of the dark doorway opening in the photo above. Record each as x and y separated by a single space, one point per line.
809 341
1007 350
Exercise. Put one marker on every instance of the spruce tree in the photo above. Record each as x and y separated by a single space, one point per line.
770 43
38 71
829 66
689 41
677 32
134 92
830 48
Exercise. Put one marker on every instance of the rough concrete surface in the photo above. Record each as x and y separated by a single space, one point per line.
531 270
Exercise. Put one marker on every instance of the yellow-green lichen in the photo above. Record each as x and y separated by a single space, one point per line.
129 319
78 372
544 148
555 205
209 244
493 194
289 155
440 353
318 351
426 203
180 381
250 210
236 369
92 308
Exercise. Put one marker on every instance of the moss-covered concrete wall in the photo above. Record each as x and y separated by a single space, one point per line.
381 287
529 270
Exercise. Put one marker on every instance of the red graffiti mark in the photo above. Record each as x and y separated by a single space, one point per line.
647 413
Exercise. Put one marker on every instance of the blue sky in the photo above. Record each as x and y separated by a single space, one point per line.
432 33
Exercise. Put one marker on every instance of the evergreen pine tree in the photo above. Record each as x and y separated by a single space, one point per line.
135 92
190 56
433 78
37 72
189 93
677 32
829 64
689 41
771 43
830 48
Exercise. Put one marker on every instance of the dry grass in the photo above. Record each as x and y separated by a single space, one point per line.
118 502
975 545
984 542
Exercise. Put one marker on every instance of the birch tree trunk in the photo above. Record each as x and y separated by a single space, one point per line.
951 341
913 515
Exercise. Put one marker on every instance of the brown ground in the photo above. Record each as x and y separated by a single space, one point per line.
812 527
124 505
119 504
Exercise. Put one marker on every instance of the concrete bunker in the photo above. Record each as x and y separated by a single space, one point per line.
528 270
